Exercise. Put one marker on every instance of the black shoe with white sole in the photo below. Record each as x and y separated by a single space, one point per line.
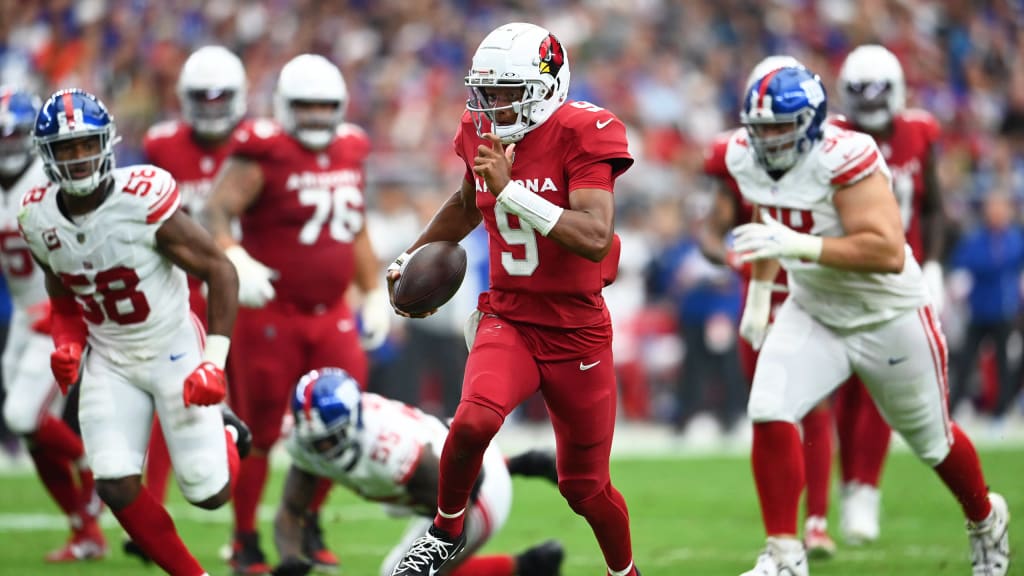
429 553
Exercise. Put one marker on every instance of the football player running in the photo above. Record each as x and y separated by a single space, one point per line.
540 171
115 246
296 188
211 90
731 209
32 403
858 304
386 451
873 93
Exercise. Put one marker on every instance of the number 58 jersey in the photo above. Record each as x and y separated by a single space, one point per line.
802 199
132 297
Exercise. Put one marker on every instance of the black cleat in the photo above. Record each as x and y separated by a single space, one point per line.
243 437
313 547
429 553
534 463
541 560
247 559
130 548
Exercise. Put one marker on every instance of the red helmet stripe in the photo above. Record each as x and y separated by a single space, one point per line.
307 399
5 101
69 109
764 86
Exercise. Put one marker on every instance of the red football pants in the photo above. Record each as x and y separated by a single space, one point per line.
274 346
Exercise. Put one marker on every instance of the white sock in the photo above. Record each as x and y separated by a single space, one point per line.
623 572
450 516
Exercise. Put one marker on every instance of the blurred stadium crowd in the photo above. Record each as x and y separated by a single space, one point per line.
671 70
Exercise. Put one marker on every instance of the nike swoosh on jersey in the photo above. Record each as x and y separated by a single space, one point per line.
176 357
601 124
895 361
585 367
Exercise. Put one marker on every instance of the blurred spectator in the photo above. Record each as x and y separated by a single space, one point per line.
993 255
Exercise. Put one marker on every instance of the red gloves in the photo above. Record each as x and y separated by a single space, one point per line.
69 333
205 386
64 362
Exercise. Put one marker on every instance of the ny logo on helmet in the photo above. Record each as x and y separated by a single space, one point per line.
551 55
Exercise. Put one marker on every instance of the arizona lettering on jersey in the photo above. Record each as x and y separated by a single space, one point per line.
907 151
532 279
386 452
802 200
132 297
173 146
307 215
24 278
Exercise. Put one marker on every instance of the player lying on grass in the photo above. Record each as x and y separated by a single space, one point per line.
386 451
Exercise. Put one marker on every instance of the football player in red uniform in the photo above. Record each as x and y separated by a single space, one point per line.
211 90
873 92
730 210
546 202
296 187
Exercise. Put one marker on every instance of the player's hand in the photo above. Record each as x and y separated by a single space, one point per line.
494 163
393 273
756 313
376 319
205 386
771 240
293 566
936 284
254 279
65 362
39 316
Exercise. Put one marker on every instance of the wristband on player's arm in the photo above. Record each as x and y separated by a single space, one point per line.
217 350
66 323
531 208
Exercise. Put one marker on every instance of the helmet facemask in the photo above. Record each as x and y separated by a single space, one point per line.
212 113
485 102
315 123
15 149
869 103
79 163
777 149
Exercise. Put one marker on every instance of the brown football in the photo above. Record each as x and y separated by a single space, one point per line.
431 277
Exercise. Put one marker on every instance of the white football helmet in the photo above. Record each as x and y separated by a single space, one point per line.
310 78
871 86
518 55
773 62
212 90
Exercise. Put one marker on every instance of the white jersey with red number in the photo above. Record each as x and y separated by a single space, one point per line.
24 277
133 298
802 200
390 443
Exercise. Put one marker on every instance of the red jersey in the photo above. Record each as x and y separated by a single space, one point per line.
308 213
907 151
173 147
533 279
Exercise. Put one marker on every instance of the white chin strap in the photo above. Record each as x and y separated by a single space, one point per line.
314 138
875 120
12 164
82 186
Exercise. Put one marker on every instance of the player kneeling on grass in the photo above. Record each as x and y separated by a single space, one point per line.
387 451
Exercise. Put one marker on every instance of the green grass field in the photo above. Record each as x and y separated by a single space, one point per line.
690 516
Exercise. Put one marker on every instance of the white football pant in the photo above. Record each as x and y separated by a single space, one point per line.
29 384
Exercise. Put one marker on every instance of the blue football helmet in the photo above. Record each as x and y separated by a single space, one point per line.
327 410
786 97
18 110
69 115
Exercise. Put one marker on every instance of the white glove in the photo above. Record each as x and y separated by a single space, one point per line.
770 240
756 313
375 315
254 287
935 283
469 328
